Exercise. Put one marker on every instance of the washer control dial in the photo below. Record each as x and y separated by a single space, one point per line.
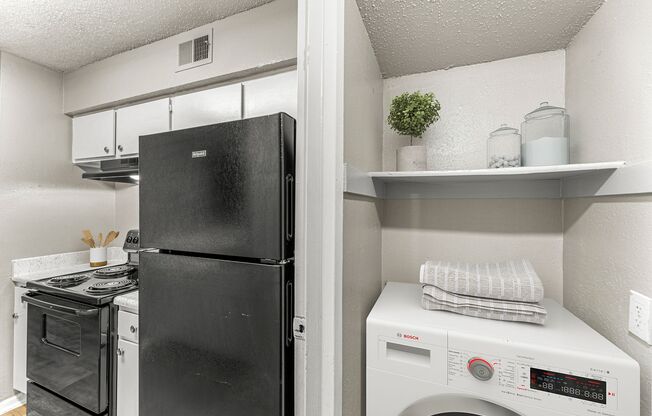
480 369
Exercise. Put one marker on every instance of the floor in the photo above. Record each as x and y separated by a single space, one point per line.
21 411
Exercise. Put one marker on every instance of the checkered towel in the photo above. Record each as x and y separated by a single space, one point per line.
435 298
513 280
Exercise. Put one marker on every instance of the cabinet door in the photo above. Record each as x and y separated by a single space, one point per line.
212 106
269 95
20 341
127 384
93 136
138 120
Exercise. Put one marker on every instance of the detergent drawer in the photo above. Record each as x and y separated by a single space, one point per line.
406 350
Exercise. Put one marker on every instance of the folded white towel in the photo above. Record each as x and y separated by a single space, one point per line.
435 298
513 280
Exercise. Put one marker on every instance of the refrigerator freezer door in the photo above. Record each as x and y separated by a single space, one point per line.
224 189
213 337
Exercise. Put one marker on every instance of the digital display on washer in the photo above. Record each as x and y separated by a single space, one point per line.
569 385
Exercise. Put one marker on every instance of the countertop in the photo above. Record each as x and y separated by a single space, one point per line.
128 301
34 268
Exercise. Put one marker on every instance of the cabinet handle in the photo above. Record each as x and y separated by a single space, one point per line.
106 149
120 352
132 329
120 148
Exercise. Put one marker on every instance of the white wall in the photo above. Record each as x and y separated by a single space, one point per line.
607 245
609 84
126 209
44 203
361 283
607 240
473 230
255 41
476 100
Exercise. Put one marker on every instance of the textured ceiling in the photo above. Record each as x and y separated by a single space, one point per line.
67 34
411 36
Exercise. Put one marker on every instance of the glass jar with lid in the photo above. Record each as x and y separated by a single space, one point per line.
504 148
546 136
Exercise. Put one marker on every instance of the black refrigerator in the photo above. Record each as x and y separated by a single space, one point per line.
216 298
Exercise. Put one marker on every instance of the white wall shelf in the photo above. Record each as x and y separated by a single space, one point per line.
575 180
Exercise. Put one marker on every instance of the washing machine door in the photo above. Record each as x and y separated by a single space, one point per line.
456 405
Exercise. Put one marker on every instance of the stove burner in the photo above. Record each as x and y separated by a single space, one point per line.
114 271
68 281
109 286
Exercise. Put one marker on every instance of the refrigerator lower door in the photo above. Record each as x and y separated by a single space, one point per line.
214 337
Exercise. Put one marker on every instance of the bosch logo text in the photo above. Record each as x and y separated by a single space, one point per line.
407 336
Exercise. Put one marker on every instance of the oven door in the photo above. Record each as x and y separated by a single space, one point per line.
67 349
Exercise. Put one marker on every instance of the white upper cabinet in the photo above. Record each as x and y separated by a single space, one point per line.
269 95
115 134
212 106
93 136
138 120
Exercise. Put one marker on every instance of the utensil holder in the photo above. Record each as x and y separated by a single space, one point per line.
98 256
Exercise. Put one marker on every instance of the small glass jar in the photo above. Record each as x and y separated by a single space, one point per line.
504 148
546 138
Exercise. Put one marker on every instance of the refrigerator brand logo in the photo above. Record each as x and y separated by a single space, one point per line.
198 153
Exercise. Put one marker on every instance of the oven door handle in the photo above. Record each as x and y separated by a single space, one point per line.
31 299
67 351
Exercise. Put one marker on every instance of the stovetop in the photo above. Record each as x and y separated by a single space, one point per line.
96 287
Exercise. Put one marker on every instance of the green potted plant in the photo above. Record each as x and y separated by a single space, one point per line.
411 114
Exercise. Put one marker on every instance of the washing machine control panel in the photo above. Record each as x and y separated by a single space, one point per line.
576 389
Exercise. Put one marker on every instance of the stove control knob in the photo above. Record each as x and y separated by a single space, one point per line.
132 329
480 369
128 239
120 352
135 240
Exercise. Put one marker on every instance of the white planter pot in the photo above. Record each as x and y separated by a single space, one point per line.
411 158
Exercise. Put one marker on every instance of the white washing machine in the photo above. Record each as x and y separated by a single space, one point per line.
426 363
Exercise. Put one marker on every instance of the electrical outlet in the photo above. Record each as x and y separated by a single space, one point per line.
640 322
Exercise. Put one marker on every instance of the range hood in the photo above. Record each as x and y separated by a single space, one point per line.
116 170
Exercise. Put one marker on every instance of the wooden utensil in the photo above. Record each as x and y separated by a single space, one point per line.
87 242
89 237
110 237
99 237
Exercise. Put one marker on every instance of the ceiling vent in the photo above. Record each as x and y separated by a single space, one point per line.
195 50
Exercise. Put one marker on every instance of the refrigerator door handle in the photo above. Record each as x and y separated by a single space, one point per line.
289 313
289 207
